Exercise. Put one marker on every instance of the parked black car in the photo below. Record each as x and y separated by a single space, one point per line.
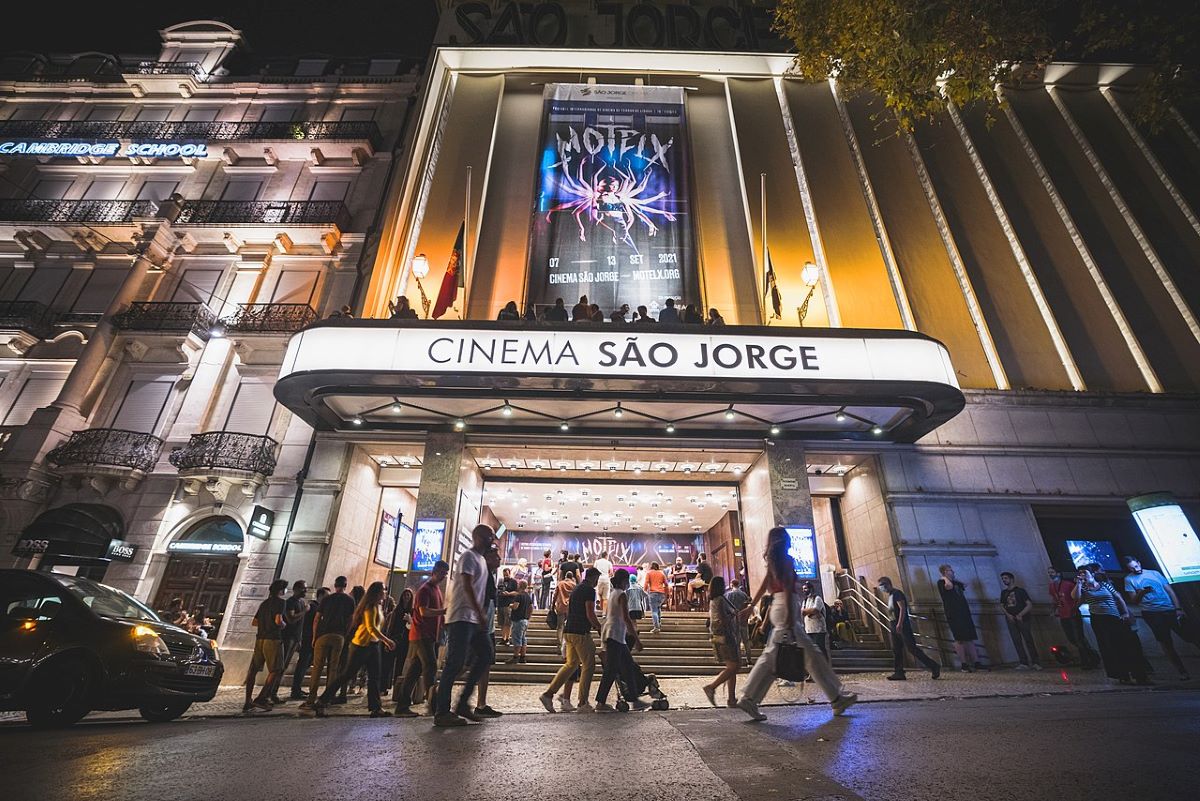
69 646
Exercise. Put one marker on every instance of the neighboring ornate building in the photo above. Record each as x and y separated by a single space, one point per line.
166 224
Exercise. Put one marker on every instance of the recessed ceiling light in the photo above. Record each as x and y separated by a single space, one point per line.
397 407
357 420
618 412
774 430
729 415
506 410
877 430
460 424
564 426
670 428
840 417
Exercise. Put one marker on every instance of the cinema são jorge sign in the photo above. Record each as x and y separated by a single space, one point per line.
109 148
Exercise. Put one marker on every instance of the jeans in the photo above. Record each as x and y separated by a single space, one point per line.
656 604
908 641
327 653
581 654
1021 633
618 661
544 596
1073 630
360 656
463 638
421 664
303 663
759 680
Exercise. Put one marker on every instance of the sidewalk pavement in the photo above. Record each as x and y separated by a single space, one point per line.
686 693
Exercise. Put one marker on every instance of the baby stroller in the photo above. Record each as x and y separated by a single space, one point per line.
645 684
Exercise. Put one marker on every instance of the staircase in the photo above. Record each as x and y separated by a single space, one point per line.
681 649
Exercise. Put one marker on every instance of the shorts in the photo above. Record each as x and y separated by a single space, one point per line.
268 654
697 583
603 589
502 615
636 614
726 650
516 636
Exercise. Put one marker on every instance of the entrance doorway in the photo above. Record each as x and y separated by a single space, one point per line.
199 581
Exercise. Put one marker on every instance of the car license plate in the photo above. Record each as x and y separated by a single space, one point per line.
200 670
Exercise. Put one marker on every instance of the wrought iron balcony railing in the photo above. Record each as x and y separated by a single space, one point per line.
361 131
226 450
196 318
191 68
269 318
107 447
264 212
26 315
76 211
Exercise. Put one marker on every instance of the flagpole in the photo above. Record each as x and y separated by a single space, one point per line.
466 237
762 199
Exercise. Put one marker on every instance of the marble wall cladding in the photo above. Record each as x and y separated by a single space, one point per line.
866 523
773 492
349 551
437 496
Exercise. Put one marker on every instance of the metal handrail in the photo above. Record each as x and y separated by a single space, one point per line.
337 131
270 318
228 450
110 447
26 315
196 318
75 211
258 212
855 590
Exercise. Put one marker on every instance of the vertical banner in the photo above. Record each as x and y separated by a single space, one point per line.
612 218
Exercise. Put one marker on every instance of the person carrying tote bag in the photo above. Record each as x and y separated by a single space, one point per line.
784 615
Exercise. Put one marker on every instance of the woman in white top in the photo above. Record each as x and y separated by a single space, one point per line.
617 629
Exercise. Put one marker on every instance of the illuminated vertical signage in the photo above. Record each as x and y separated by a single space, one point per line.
1169 534
612 217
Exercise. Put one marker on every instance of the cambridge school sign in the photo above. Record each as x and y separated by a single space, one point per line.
61 148
622 352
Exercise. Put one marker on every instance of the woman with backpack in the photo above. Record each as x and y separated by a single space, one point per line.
785 616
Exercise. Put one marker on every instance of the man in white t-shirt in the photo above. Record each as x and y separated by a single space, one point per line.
466 631
1150 591
604 587
813 610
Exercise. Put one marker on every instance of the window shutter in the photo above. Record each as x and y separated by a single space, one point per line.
153 113
157 190
241 190
44 285
51 188
329 190
100 289
358 114
252 407
8 283
36 393
277 113
196 286
294 286
104 189
201 114
105 113
143 405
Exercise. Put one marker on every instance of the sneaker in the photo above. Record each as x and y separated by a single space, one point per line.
965 669
638 705
320 710
731 704
785 683
585 707
263 705
935 671
1036 666
446 720
897 677
248 708
466 713
521 660
843 702
603 707
1022 666
566 704
307 711
512 660
710 694
380 713
405 712
487 712
751 709
547 701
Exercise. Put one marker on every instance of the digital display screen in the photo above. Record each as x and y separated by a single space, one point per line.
802 547
1101 552
1170 536
428 536
386 542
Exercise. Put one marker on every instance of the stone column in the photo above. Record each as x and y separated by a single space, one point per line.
774 492
437 496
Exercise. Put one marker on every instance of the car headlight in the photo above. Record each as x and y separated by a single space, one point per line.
147 641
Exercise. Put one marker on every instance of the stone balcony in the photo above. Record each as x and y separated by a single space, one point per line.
218 461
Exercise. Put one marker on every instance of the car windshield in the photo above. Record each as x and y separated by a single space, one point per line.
105 600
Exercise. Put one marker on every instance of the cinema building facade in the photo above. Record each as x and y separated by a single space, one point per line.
980 343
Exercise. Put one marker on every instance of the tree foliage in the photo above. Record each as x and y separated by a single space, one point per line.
914 54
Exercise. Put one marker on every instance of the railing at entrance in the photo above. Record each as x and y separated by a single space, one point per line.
226 450
870 611
108 447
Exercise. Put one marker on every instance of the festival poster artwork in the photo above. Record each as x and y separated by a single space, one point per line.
612 217
623 549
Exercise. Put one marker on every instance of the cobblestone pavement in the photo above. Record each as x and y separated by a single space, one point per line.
687 694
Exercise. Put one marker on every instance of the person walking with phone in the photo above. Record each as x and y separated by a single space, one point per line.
785 617
1150 591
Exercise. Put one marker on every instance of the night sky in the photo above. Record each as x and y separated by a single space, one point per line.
271 27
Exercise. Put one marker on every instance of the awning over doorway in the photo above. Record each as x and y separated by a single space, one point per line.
82 530
609 380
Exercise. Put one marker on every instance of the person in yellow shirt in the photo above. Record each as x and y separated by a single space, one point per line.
368 638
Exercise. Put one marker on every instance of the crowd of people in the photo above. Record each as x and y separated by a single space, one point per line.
587 312
419 646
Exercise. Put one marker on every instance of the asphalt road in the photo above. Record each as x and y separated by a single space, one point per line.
1141 746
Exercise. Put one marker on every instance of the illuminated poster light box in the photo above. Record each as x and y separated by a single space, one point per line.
1169 534
428 537
802 547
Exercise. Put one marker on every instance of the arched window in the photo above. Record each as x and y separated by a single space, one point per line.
219 530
